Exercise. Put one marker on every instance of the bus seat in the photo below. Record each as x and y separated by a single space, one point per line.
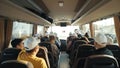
75 48
85 50
79 63
101 61
63 45
50 53
78 43
115 50
10 54
47 45
113 47
16 64
43 53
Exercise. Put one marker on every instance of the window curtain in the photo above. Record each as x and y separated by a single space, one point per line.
8 32
1 33
117 28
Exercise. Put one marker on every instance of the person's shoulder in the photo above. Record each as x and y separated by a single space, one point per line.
39 59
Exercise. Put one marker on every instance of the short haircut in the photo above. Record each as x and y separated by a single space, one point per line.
16 42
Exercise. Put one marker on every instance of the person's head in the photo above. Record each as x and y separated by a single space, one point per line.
52 38
31 45
100 40
86 35
76 31
17 43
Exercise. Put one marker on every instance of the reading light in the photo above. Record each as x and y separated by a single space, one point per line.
60 3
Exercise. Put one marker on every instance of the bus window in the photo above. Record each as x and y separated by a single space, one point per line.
106 26
21 29
40 30
85 29
62 32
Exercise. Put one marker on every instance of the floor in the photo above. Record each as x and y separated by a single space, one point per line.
64 60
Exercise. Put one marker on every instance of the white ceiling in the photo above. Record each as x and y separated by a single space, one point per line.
65 13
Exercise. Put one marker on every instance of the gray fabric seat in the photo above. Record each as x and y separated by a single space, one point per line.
10 54
16 64
101 61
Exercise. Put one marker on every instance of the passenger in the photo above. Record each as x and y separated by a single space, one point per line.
44 38
57 41
78 33
86 35
18 43
85 39
69 41
54 49
32 48
100 45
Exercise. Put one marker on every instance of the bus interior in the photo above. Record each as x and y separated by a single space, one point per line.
70 22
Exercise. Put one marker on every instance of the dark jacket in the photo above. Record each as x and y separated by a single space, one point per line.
104 51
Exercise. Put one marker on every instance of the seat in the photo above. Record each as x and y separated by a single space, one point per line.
10 54
85 50
78 42
50 53
75 48
43 53
63 45
47 45
116 51
101 61
16 64
79 63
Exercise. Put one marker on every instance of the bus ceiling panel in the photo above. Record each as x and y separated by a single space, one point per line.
79 5
105 10
88 6
15 12
61 13
35 6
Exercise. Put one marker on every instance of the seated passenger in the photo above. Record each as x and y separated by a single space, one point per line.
17 43
100 45
32 48
78 33
55 49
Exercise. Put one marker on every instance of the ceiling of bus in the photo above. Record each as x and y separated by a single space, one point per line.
45 12
108 10
59 14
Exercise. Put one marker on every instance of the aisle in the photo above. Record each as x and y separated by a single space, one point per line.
64 60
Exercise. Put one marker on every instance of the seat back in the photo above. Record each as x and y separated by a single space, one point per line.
43 53
47 45
101 61
10 54
113 47
63 45
85 50
116 51
50 53
78 43
16 64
